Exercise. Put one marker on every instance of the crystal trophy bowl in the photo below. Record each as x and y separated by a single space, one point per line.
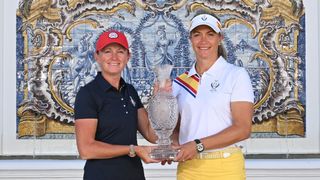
163 114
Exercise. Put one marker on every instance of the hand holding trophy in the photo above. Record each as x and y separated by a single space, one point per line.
163 114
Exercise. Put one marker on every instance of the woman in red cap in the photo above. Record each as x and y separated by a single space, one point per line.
108 113
215 101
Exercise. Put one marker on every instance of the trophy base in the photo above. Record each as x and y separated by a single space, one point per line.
163 154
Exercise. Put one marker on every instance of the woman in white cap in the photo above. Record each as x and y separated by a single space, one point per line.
108 113
216 106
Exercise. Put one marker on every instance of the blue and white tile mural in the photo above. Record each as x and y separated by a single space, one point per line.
55 46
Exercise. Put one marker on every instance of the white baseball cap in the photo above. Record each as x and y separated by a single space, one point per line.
206 19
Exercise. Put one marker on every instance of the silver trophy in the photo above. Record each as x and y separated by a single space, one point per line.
163 114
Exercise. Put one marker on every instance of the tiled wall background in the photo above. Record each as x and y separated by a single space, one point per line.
55 44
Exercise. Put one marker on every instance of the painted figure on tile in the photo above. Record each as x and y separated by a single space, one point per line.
83 69
161 54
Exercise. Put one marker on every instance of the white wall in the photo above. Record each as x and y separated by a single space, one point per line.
72 170
8 61
1 68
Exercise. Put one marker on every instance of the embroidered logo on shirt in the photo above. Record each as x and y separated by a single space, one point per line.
214 85
189 83
132 101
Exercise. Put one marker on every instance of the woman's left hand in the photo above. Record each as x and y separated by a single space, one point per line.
187 151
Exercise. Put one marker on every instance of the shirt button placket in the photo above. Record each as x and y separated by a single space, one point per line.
124 106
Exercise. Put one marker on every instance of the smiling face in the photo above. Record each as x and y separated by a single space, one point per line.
112 59
205 42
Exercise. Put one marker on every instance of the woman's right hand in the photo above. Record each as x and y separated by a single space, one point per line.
143 153
187 151
175 147
166 162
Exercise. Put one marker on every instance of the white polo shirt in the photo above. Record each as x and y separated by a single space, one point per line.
204 102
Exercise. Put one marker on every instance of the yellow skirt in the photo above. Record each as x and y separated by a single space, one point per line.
213 168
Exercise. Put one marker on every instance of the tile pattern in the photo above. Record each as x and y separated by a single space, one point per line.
55 46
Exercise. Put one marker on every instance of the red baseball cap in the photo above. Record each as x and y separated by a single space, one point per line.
109 37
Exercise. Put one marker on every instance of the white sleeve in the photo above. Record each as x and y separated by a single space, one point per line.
242 89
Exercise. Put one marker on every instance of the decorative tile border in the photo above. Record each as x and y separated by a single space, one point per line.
55 42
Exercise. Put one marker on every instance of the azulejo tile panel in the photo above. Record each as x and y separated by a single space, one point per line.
55 45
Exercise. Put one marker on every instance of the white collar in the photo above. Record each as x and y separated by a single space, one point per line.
219 64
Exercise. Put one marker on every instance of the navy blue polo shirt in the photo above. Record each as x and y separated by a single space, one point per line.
116 112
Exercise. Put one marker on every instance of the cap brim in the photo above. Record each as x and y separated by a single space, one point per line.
207 20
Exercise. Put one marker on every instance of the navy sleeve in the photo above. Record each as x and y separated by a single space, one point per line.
85 106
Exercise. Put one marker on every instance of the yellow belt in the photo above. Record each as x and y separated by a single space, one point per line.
225 153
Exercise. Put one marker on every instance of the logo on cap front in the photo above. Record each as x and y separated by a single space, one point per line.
113 35
204 18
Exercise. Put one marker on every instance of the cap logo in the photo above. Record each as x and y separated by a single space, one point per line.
204 18
113 35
